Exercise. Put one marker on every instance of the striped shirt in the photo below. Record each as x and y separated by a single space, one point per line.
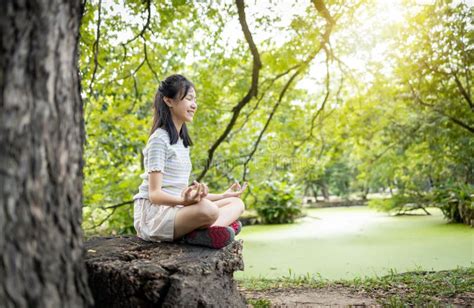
172 160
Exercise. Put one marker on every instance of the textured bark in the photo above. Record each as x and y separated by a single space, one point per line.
129 272
41 146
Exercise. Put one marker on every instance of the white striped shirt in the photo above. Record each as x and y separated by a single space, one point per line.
172 160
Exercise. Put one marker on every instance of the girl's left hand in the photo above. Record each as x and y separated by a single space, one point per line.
205 189
235 190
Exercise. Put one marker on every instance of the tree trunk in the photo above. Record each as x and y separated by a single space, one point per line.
41 142
126 271
325 191
314 189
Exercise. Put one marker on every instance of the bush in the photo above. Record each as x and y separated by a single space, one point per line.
400 203
279 204
455 201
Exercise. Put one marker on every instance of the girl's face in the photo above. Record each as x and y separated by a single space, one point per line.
184 110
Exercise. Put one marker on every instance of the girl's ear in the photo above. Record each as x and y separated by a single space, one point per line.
167 102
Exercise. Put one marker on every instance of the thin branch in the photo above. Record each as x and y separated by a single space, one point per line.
463 91
320 109
147 23
253 91
137 95
119 204
403 140
452 73
433 107
272 113
271 82
95 49
103 220
148 61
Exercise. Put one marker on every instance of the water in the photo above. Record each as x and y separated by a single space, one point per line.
349 242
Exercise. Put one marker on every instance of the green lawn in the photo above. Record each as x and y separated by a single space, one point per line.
345 243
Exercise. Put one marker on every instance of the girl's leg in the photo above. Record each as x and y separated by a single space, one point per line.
230 210
196 216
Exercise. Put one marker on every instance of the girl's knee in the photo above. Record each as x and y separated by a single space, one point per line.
238 203
208 211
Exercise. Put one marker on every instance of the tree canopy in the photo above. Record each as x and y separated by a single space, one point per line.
330 97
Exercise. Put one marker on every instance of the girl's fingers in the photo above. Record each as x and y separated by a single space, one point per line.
187 192
199 190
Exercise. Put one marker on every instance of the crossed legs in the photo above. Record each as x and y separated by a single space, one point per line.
230 210
207 213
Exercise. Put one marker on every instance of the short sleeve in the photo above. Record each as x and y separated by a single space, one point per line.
156 154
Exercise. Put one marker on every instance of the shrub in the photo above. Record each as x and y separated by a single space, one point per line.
400 203
279 203
455 201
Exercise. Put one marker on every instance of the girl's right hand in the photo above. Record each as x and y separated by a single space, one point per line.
191 196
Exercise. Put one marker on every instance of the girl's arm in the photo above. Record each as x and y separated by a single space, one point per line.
157 196
214 197
235 190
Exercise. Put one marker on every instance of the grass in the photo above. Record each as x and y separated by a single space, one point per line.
418 288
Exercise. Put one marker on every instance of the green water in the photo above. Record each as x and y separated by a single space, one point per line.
344 243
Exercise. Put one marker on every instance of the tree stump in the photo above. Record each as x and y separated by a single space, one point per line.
126 271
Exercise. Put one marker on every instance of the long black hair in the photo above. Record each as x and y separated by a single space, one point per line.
173 86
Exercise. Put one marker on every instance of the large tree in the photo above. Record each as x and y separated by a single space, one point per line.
41 142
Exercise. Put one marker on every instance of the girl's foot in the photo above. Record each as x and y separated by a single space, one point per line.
237 226
213 237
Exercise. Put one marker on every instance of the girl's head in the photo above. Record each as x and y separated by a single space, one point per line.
175 99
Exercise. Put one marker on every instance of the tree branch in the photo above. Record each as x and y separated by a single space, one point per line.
272 81
253 91
272 113
451 118
119 204
145 26
148 61
466 95
320 109
95 49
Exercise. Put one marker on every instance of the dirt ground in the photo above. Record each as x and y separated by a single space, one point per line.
308 297
335 296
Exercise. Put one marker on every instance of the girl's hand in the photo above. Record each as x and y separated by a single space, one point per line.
194 193
235 190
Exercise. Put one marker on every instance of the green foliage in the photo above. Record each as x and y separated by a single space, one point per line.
279 203
401 122
456 200
399 203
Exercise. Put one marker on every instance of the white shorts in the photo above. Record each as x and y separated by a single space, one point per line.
154 222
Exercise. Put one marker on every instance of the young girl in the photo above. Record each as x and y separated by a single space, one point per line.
165 207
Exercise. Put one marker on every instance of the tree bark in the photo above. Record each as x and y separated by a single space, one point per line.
41 146
126 271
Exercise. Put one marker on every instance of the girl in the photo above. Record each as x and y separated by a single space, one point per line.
165 207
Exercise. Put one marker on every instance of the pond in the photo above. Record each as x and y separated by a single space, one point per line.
350 242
